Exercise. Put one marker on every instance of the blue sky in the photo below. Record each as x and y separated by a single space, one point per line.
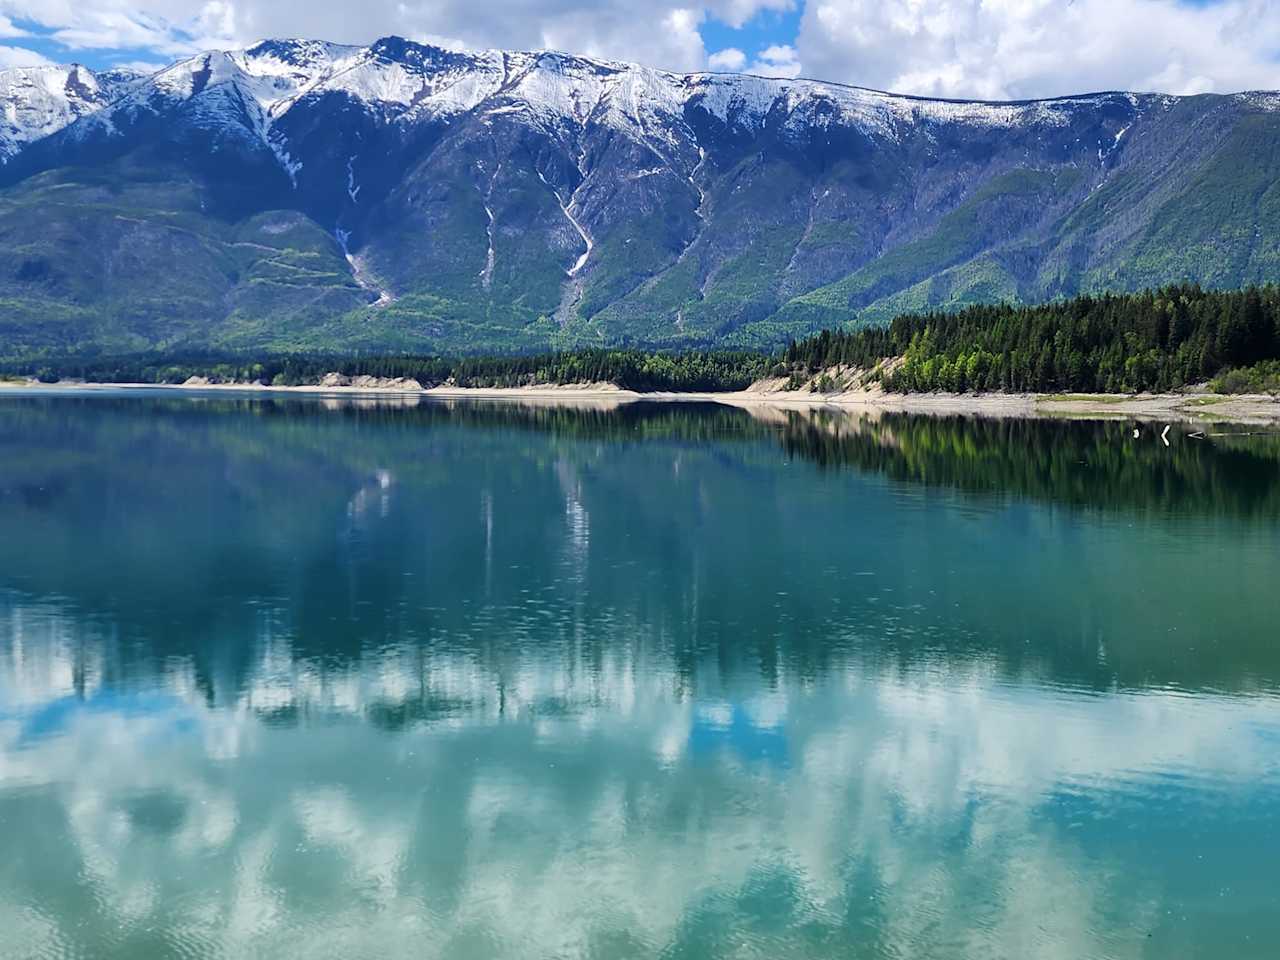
767 30
40 40
987 49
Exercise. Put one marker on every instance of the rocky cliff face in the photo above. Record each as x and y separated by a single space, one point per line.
400 196
38 101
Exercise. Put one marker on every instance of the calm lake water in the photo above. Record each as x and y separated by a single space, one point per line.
339 678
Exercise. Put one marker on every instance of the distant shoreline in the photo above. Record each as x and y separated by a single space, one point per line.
1185 408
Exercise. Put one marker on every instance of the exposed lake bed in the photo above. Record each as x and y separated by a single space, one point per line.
340 675
1186 407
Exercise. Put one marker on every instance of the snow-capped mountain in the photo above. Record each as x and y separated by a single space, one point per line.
408 83
38 101
424 198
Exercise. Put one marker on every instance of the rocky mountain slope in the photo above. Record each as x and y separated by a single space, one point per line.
38 101
401 196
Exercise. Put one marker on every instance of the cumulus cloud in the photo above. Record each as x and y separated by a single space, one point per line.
111 24
779 60
737 13
20 57
998 49
994 49
9 29
729 59
662 34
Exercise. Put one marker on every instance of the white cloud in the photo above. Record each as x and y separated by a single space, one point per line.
106 25
217 19
730 60
882 763
9 29
20 57
962 48
1000 49
737 13
779 60
665 33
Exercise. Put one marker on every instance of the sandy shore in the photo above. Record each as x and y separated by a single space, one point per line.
1189 407
1179 408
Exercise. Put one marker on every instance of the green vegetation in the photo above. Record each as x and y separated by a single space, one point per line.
1200 233
466 249
1005 201
1150 341
694 371
126 260
1262 377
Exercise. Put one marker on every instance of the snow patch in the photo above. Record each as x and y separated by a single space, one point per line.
693 182
291 167
486 275
353 189
36 102
403 83
568 214
358 271
1262 99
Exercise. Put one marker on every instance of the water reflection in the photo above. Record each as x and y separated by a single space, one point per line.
277 679
1096 464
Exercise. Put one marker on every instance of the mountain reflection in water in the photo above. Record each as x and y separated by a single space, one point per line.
344 678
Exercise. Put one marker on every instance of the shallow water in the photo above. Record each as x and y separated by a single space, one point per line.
339 678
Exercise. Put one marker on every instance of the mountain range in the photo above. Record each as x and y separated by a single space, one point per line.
400 196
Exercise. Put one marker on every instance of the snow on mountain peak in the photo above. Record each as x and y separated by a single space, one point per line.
38 101
401 81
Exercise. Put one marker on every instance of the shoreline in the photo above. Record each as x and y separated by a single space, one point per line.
1185 408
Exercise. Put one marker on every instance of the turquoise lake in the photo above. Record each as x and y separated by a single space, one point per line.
318 677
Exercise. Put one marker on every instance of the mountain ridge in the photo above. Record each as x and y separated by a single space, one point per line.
33 108
404 196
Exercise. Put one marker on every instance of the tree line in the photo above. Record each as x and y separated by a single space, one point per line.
631 369
1114 343
1155 340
